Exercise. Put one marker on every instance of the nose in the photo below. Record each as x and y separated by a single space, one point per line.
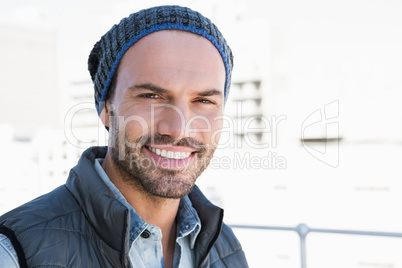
173 120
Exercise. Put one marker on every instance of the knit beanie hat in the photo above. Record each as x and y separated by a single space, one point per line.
109 50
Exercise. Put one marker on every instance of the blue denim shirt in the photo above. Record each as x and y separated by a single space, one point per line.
146 240
8 256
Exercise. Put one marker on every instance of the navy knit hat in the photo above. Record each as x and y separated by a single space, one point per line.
109 50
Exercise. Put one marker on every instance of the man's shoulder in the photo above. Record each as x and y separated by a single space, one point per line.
50 206
47 225
227 242
227 250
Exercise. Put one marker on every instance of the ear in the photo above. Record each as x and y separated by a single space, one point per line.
105 114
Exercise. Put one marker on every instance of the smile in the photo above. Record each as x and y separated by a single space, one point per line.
170 154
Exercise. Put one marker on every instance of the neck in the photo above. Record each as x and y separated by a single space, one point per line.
154 210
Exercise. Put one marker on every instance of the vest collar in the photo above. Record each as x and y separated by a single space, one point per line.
110 218
106 215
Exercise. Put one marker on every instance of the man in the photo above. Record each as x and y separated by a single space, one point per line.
161 78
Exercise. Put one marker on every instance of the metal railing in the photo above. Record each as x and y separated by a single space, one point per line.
303 230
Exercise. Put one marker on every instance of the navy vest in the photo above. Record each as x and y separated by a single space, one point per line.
81 224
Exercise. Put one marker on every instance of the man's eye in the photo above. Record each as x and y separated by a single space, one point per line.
205 101
149 96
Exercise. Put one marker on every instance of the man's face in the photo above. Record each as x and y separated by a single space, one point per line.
165 114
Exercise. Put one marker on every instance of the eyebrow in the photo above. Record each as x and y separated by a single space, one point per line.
212 92
160 90
150 87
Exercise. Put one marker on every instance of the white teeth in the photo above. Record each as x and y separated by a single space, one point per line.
170 154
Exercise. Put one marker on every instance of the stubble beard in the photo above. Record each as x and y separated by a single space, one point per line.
143 173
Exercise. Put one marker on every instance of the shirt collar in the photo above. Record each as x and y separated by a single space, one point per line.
137 224
188 222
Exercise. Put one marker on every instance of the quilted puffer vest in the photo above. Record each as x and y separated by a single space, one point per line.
81 224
